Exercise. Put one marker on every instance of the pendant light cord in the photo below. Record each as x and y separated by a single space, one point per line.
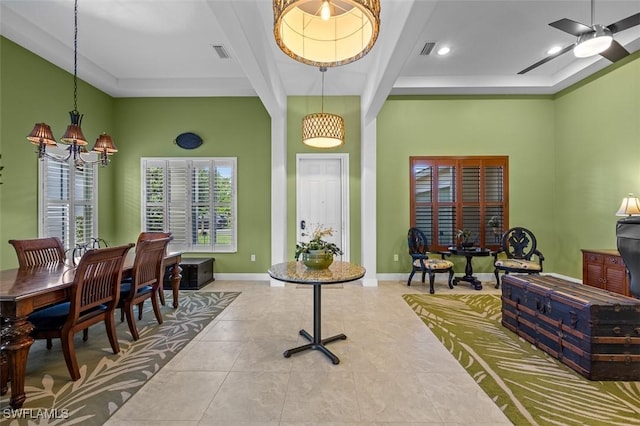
322 70
75 58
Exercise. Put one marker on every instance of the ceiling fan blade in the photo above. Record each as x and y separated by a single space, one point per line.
623 24
615 52
571 27
547 59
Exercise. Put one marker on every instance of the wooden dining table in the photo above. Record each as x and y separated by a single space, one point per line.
23 290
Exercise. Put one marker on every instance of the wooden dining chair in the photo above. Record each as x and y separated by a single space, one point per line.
94 296
156 236
152 236
33 252
41 251
146 279
38 251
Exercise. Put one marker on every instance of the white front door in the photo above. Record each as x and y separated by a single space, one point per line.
322 197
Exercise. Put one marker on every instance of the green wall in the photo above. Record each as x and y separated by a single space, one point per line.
34 90
572 157
349 108
597 160
518 127
230 127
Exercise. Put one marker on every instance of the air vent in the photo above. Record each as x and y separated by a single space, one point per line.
221 51
428 47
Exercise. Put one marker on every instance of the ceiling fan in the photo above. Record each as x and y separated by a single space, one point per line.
592 40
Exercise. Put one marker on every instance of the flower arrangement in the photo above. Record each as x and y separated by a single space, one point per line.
317 243
494 222
464 236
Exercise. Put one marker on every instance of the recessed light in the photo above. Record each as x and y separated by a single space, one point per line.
554 50
443 51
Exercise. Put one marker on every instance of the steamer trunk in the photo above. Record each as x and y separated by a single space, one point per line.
593 331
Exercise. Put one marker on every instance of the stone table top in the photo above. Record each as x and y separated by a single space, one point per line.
297 272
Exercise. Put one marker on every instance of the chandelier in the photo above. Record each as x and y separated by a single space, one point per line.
42 136
323 130
326 33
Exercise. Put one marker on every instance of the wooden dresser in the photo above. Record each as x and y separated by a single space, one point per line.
605 269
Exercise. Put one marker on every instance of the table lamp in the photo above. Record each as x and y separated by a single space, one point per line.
630 206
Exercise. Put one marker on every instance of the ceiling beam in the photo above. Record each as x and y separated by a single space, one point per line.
239 20
408 18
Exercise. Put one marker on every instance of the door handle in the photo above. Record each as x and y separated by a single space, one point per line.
303 224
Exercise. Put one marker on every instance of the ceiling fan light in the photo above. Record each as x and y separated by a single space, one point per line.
593 43
553 50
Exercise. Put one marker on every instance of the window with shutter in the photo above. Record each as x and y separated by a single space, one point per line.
68 202
452 193
194 199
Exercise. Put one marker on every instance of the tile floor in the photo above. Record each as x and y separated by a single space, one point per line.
393 371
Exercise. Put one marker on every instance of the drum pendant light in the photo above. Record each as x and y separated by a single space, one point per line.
323 130
326 33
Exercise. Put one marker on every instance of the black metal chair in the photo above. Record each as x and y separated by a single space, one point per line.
80 249
522 255
420 261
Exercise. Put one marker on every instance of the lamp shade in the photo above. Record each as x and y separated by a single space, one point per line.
323 130
303 32
630 206
41 133
594 42
74 135
104 143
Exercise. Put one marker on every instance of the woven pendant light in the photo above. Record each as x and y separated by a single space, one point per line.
321 129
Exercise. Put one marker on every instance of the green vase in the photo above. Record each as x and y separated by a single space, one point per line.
317 259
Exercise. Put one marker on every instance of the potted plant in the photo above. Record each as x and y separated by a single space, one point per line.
494 223
317 253
464 237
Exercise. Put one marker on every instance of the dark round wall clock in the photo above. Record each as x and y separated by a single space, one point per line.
188 140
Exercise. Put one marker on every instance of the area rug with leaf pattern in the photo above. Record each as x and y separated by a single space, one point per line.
529 386
109 380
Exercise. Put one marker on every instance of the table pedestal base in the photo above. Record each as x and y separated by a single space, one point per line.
317 344
475 283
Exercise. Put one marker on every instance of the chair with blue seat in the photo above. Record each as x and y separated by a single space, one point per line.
421 262
518 253
150 235
146 279
38 251
30 253
155 235
93 298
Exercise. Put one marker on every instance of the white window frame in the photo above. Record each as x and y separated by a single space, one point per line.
183 235
44 199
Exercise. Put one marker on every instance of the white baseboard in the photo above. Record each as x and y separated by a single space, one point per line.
484 277
242 277
372 282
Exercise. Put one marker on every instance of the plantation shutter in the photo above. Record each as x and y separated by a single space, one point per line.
68 199
178 202
83 205
194 199
452 193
